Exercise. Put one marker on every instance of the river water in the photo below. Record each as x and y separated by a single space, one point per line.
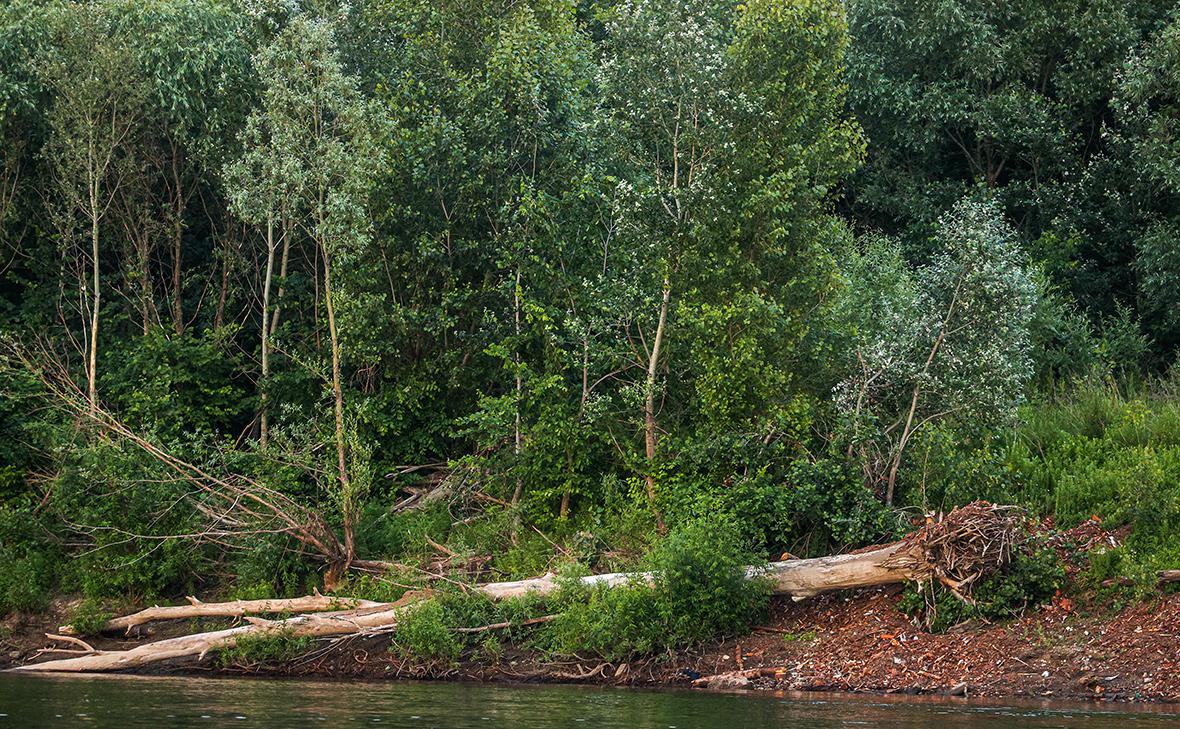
28 702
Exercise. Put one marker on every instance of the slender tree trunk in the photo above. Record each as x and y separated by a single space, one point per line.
265 329
92 369
908 430
649 405
177 245
286 235
222 294
177 303
338 397
145 283
517 442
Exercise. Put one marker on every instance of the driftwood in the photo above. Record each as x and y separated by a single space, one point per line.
970 543
235 609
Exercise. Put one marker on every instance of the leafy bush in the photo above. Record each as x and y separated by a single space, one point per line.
89 617
271 567
24 583
699 592
423 632
1031 579
264 650
31 564
779 500
429 630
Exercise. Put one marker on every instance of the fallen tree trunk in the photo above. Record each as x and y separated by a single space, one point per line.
199 645
969 544
234 609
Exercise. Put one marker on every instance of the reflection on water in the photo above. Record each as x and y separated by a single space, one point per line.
28 702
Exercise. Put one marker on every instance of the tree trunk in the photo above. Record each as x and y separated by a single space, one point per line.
92 367
178 204
235 609
274 320
265 333
177 302
347 516
649 406
516 434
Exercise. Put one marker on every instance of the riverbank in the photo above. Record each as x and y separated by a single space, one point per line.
859 642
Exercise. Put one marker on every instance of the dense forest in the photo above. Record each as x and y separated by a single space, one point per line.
295 292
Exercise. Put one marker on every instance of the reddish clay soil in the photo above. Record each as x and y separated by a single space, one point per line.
859 642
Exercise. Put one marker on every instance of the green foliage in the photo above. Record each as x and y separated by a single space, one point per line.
1020 98
699 592
783 503
1032 578
177 388
610 264
424 633
89 617
948 342
428 630
269 567
26 583
263 650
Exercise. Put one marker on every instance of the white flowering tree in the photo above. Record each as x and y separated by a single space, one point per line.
948 341
663 85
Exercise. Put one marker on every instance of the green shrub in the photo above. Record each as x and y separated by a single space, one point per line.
699 592
31 562
25 583
264 650
779 500
89 617
1031 579
270 567
423 632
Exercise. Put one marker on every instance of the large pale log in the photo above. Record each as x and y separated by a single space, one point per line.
234 609
796 578
804 578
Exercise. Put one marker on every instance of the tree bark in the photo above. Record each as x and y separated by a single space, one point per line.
347 516
649 406
263 429
179 200
516 434
92 366
235 609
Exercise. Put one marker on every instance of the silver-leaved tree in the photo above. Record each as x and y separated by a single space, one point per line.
947 341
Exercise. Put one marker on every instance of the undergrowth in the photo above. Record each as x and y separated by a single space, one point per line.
1031 579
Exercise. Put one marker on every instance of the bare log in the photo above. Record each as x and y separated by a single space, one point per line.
234 609
199 645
